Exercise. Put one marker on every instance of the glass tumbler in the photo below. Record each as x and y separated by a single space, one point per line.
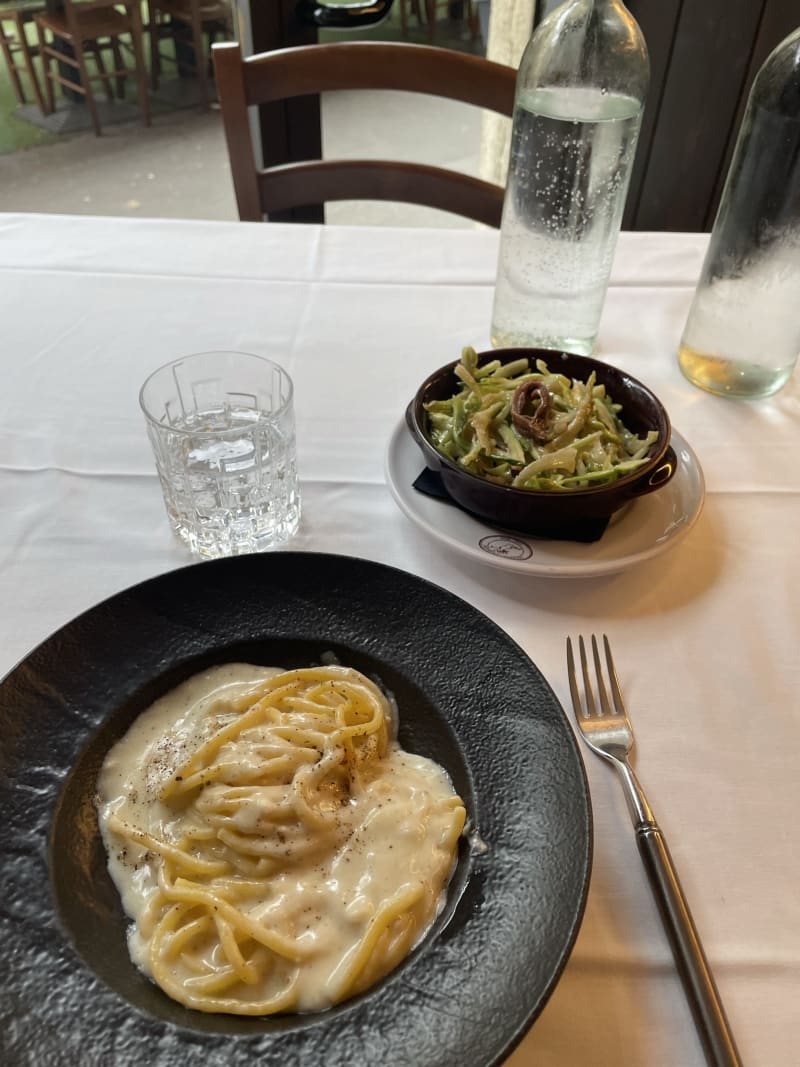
221 425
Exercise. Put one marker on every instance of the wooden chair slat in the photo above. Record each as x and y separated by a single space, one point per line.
377 65
320 181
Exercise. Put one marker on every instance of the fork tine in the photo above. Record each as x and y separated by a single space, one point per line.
601 687
619 703
577 707
591 709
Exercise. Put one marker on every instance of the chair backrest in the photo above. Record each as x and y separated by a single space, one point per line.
74 9
291 72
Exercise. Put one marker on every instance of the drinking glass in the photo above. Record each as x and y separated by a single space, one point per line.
221 425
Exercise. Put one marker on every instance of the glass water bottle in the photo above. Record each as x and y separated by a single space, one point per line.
742 336
580 93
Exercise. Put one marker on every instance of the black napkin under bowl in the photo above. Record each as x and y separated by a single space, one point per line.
584 530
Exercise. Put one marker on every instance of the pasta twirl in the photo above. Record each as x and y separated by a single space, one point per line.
274 847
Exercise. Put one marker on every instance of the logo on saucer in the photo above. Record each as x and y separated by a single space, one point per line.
505 546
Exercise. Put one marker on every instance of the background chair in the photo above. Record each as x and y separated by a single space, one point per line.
464 8
92 27
14 45
416 10
355 65
186 22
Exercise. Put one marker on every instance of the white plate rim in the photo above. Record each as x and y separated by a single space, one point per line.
404 498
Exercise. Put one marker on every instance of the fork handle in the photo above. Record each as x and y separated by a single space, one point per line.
695 973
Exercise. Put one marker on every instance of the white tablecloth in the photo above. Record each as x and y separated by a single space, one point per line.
707 635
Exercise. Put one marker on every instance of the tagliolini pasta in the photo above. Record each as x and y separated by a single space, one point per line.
274 847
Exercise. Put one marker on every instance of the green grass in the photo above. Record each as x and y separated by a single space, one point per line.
16 133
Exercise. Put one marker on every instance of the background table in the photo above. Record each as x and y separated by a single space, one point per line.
707 635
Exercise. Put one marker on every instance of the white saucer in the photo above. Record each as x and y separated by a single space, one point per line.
643 529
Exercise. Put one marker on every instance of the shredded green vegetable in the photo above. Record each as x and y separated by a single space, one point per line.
533 429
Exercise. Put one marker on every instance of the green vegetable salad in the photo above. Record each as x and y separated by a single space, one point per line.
531 429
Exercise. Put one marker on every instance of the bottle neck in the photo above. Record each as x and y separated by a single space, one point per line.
587 44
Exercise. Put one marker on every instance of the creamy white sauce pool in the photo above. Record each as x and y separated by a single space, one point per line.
396 832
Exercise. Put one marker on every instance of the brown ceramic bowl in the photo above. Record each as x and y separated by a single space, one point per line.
577 512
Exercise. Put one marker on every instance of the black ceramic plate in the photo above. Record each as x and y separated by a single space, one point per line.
468 696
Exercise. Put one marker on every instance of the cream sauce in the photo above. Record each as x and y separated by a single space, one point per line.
395 832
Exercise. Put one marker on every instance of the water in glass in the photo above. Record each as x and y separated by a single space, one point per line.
227 467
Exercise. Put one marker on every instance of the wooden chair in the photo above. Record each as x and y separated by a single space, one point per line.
14 43
430 7
416 11
291 72
93 26
186 22
468 13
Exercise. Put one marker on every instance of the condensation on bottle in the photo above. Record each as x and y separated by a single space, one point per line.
580 94
742 335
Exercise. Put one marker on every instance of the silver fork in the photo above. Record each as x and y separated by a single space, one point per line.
607 730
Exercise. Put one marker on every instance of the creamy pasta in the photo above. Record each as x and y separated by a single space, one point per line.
274 847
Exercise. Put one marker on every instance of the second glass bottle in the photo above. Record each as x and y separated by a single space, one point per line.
580 94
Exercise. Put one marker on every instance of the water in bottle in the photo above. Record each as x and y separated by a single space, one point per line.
580 94
742 335
571 156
